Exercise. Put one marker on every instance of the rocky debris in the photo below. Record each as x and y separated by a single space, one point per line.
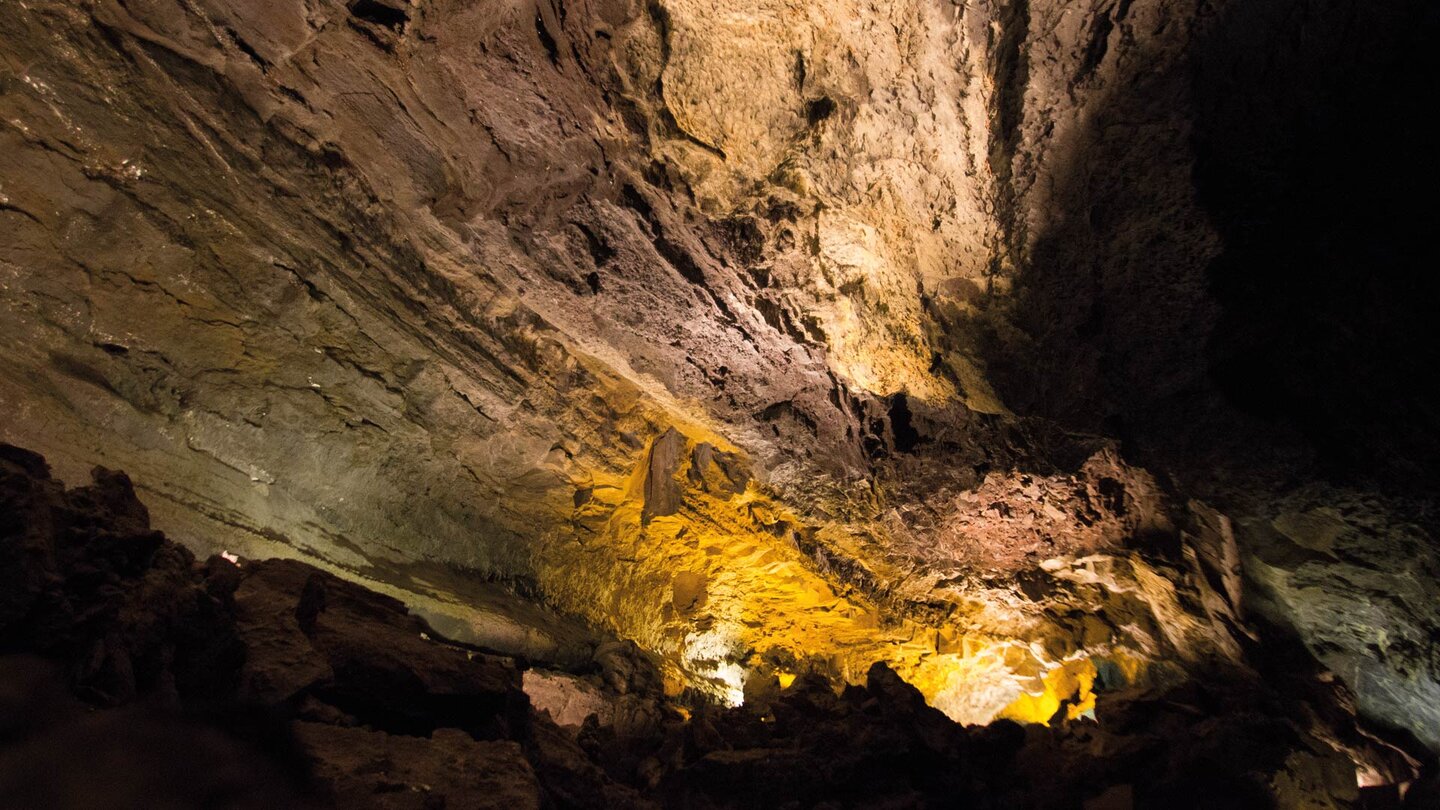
625 668
337 697
374 659
356 767
568 700
58 752
86 581
616 692
880 745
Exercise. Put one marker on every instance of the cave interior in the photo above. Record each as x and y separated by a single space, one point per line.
719 404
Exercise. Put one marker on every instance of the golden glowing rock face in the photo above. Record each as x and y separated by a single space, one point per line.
693 559
883 354
1070 685
730 77
715 586
666 308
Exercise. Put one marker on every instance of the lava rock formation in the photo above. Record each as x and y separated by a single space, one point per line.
1063 357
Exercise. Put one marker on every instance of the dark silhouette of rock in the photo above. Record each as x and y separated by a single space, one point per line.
87 582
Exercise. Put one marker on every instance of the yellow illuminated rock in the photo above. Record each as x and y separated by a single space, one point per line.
1070 685
692 559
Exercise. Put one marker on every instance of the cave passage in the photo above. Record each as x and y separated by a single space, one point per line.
802 403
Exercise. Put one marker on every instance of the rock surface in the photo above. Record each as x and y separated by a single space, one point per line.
361 768
774 337
337 698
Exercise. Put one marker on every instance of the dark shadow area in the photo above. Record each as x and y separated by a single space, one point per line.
902 428
1236 275
1299 128
1317 163
1108 302
379 13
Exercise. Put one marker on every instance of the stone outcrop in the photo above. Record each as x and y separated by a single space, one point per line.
1352 576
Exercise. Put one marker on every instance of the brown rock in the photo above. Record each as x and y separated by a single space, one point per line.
86 581
363 653
369 769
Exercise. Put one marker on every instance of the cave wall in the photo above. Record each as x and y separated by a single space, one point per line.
389 285
743 329
425 275
454 251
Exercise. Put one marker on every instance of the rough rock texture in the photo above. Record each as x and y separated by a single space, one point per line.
289 688
362 768
775 337
1354 575
88 582
337 698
